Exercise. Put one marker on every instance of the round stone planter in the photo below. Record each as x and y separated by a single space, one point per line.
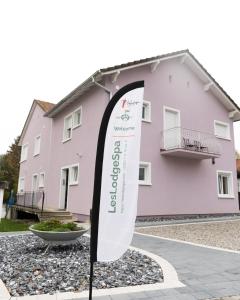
52 237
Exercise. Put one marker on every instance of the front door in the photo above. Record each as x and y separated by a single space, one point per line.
64 189
171 128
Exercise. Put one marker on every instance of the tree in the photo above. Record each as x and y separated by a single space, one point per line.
9 165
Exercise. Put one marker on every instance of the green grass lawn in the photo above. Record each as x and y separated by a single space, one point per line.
13 225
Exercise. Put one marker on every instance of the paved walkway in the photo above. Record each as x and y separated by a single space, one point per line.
206 273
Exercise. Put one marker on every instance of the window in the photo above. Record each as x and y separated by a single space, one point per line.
225 184
146 111
21 184
67 131
41 180
222 130
35 182
73 175
37 143
24 153
145 173
77 117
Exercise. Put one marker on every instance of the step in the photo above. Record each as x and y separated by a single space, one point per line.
57 212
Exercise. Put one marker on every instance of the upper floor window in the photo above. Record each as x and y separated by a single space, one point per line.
21 184
24 152
77 117
222 130
37 142
41 180
73 175
146 111
225 184
67 130
144 173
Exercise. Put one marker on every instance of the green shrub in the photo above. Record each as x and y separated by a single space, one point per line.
56 226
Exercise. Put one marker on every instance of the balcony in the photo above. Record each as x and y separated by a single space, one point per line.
187 143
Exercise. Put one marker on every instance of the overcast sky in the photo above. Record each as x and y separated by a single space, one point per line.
49 47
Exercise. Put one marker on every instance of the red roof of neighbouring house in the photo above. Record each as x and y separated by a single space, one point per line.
46 106
238 165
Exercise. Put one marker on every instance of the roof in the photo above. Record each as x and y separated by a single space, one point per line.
185 56
45 106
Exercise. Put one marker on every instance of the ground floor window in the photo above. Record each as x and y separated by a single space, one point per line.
21 184
41 180
144 173
73 171
225 184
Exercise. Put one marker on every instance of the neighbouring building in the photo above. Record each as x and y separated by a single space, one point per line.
187 163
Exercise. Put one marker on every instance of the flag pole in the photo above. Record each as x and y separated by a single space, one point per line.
91 279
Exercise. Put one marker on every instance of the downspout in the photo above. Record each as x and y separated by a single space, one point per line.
103 87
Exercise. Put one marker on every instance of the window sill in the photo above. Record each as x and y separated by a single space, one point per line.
146 121
21 161
36 154
64 141
222 138
73 183
76 126
226 196
144 183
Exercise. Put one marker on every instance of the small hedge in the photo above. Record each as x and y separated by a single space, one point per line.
56 226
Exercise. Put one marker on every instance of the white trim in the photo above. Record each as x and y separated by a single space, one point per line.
173 110
34 145
228 130
41 186
75 126
188 243
25 158
168 108
66 117
19 180
148 110
70 175
148 173
33 175
230 185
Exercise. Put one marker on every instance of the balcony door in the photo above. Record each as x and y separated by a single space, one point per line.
172 130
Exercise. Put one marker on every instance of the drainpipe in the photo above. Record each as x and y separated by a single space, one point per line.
103 87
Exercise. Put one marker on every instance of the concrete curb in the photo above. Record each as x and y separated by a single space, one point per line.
188 243
4 294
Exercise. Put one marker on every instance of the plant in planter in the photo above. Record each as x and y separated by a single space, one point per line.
56 232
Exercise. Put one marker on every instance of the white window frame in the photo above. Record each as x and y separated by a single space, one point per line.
229 174
148 173
21 189
165 108
73 117
64 128
147 118
71 181
33 175
37 151
41 184
22 159
216 122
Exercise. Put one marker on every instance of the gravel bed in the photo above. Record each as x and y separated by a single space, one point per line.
218 234
25 270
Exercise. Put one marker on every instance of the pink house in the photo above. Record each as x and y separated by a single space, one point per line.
187 149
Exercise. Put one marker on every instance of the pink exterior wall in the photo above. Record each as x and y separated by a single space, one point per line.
80 149
39 125
179 186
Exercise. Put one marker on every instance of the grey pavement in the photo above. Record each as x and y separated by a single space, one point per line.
207 273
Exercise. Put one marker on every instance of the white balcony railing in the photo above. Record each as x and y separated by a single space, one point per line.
190 140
